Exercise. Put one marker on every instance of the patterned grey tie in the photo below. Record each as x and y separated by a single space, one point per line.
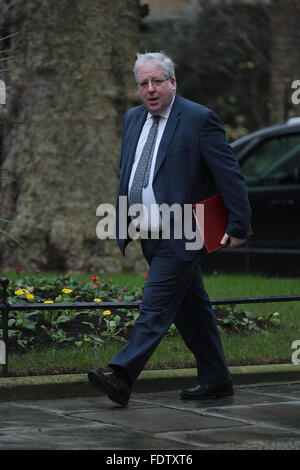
142 172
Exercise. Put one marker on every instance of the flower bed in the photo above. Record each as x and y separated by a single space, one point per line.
44 328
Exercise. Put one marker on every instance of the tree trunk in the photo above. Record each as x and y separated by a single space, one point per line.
71 81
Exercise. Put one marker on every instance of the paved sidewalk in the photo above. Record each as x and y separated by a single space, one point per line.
266 417
259 416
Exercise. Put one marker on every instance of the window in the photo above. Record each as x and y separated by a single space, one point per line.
275 161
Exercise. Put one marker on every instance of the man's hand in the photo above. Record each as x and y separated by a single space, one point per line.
231 242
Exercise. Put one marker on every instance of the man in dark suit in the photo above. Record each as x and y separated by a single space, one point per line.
174 151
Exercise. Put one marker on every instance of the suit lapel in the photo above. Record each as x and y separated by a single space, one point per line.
169 131
136 125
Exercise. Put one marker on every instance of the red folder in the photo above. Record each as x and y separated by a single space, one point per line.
215 222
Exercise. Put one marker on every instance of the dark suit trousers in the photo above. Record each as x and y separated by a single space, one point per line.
174 293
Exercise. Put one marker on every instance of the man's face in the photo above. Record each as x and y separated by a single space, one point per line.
155 98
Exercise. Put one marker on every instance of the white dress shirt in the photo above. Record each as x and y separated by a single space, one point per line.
149 220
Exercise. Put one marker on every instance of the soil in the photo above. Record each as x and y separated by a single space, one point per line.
96 325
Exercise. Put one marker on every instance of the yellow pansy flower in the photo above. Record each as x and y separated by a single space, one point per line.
106 312
19 292
66 291
48 301
97 300
29 296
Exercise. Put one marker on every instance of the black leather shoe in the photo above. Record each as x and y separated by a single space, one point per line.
203 391
116 389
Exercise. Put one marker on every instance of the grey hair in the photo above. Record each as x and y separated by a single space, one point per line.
157 58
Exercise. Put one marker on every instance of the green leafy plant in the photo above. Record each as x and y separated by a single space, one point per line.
271 318
22 320
228 317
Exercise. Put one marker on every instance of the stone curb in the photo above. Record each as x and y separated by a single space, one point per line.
77 385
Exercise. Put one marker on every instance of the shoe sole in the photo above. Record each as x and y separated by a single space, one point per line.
228 393
101 386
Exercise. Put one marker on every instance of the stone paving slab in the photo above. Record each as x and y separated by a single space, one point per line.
265 417
239 435
89 436
287 414
13 416
157 419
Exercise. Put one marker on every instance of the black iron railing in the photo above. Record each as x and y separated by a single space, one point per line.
6 307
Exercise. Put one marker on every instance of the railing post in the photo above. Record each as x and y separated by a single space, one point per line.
4 299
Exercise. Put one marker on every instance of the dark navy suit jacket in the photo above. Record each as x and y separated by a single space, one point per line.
194 161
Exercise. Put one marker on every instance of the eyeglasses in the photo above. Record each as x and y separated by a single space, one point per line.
155 82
